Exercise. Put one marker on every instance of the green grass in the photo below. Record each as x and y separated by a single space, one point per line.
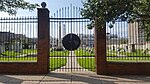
11 56
59 53
28 51
129 59
13 53
82 52
111 54
21 59
138 52
56 63
128 56
134 54
87 63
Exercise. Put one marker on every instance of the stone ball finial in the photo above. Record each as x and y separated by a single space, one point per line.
43 4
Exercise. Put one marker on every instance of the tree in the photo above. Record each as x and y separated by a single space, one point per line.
146 25
11 6
112 10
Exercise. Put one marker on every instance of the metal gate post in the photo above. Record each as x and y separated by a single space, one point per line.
100 49
43 39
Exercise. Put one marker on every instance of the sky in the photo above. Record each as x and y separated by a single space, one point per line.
52 5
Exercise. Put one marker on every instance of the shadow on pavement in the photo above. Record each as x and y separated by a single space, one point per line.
4 79
65 78
99 79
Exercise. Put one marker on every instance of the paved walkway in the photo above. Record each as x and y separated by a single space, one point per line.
72 64
73 78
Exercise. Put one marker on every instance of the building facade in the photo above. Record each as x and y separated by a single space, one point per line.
135 33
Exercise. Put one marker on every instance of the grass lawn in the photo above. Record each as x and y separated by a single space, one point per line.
28 51
111 54
11 53
82 52
138 52
87 63
59 53
21 59
134 54
24 51
56 63
128 59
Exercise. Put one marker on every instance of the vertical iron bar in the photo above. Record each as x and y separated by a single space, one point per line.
68 32
57 35
76 29
1 52
65 31
55 28
71 32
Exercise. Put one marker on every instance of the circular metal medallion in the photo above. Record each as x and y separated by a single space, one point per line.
71 41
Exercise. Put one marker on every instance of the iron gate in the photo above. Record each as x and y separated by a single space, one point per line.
65 21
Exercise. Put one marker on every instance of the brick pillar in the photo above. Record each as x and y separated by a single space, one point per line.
43 40
100 49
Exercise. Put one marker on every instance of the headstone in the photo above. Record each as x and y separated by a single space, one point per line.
17 47
149 52
59 47
8 47
126 48
34 46
145 51
2 48
132 48
113 48
118 49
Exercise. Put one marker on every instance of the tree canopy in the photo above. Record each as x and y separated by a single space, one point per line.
112 10
11 6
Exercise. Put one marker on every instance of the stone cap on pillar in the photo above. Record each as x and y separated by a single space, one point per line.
43 4
43 7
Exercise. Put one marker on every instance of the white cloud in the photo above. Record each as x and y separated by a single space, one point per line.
4 14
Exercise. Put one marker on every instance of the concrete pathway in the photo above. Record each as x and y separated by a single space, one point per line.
71 65
73 78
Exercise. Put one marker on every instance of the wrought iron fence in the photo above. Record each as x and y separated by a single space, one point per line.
18 39
65 21
128 42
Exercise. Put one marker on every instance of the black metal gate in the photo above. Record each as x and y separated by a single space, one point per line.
69 21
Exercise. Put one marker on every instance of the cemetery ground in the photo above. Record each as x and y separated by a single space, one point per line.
85 57
29 55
